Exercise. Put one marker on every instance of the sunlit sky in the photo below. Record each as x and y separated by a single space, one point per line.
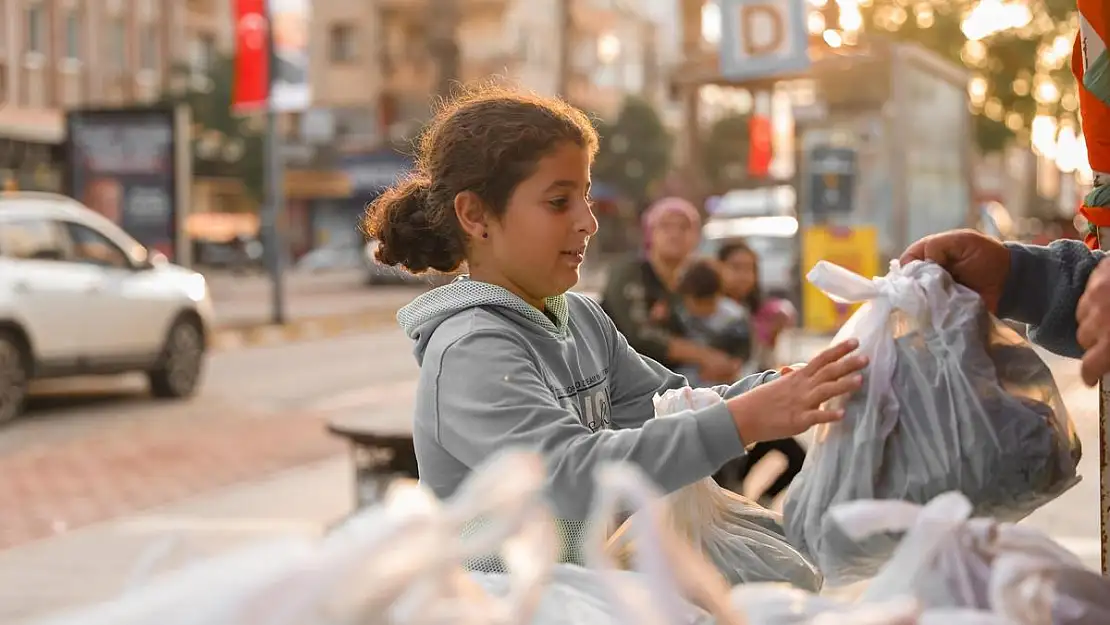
988 17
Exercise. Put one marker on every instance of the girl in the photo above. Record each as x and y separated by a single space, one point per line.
640 295
739 265
508 358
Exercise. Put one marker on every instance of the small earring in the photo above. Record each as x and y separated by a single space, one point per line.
485 235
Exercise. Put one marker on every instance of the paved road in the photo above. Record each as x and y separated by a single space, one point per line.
93 449
89 479
245 300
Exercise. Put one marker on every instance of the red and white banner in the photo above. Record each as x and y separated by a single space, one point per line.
252 56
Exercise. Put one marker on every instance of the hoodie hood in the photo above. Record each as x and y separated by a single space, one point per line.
422 316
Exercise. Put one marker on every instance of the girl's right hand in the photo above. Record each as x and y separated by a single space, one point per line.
792 404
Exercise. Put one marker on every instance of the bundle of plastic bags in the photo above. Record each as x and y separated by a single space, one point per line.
402 564
947 559
741 538
671 570
954 400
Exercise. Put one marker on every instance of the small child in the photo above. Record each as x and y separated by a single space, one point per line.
711 319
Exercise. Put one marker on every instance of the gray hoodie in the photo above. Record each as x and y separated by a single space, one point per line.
496 373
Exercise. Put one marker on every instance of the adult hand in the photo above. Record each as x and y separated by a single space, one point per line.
975 260
792 404
1093 315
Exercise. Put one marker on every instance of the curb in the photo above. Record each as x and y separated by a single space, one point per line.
266 334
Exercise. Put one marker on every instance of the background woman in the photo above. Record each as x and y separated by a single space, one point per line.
640 295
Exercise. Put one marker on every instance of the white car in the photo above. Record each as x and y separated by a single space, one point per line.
78 296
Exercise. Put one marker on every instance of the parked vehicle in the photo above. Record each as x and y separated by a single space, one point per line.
79 296
377 273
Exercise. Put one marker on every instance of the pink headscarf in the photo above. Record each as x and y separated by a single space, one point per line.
664 207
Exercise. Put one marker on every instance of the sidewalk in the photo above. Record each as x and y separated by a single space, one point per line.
97 563
316 305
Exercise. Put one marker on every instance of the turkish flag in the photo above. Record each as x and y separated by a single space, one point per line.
252 56
759 146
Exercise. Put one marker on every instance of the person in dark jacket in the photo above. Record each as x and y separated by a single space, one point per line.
1062 290
640 295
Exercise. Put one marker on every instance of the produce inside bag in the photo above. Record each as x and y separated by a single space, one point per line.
953 400
949 560
742 539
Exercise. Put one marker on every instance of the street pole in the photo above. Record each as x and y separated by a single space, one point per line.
444 44
566 48
275 192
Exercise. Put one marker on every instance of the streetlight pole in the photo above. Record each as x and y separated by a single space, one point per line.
275 192
566 47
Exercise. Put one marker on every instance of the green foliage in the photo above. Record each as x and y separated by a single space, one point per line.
635 151
725 152
225 145
1011 62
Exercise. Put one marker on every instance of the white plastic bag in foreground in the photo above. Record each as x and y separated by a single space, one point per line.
949 560
741 538
953 400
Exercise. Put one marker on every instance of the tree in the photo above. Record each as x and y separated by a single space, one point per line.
725 152
1018 59
635 150
224 144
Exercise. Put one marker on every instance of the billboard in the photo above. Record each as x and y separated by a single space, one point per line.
762 38
855 248
126 165
290 87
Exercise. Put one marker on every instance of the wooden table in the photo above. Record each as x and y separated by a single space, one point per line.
381 453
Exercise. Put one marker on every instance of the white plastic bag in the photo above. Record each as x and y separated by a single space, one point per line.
954 400
779 604
741 538
948 560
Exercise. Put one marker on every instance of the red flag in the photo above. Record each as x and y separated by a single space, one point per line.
252 56
759 146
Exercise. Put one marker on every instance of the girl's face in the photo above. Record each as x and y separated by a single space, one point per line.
738 274
538 245
674 237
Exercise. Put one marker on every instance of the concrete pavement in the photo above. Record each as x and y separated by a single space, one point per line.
208 479
317 305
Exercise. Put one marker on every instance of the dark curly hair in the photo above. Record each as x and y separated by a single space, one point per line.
486 140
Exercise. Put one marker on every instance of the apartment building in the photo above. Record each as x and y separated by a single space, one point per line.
62 54
614 54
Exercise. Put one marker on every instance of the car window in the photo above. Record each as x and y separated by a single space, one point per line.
92 247
32 239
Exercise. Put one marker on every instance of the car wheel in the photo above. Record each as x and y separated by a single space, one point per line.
14 376
182 362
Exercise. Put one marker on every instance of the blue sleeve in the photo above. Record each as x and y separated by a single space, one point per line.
1043 288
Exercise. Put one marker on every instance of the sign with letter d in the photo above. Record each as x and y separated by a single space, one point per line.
761 38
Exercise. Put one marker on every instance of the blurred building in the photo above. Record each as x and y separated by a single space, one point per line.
64 54
616 53
377 65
